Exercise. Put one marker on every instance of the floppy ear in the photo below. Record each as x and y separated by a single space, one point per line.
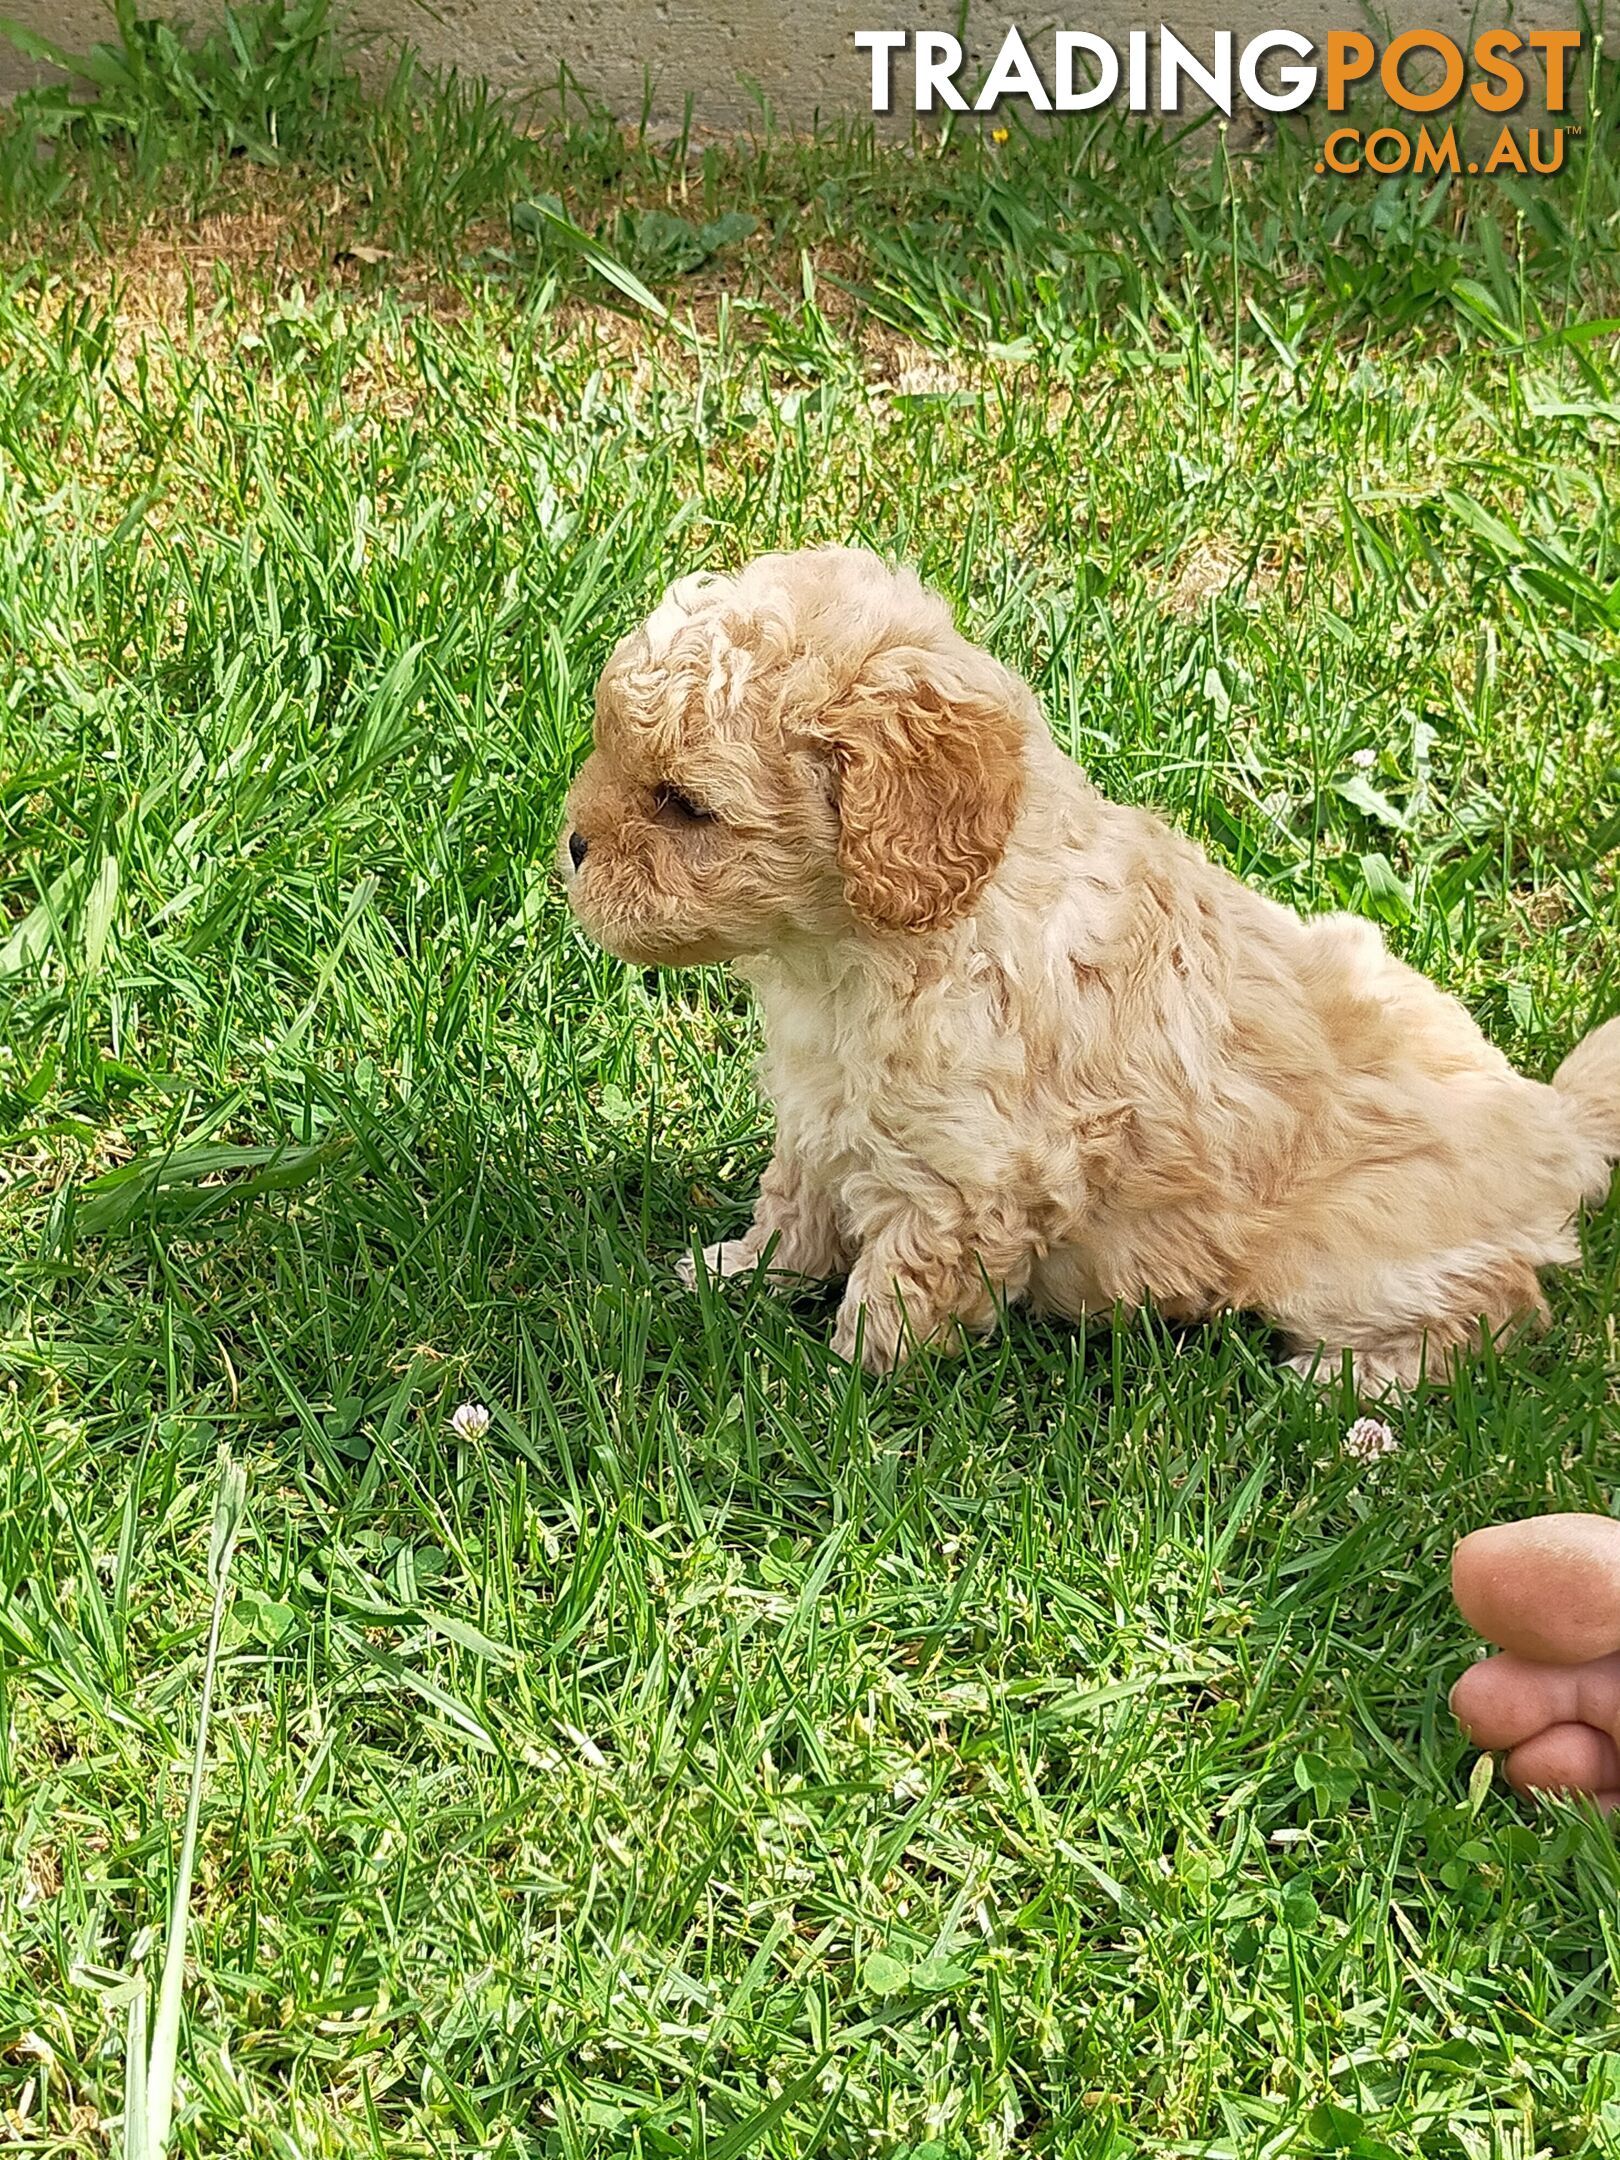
928 752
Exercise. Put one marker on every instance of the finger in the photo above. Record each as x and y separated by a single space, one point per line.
1565 1758
1547 1589
1507 1699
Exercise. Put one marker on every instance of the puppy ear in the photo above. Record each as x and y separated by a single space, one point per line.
928 752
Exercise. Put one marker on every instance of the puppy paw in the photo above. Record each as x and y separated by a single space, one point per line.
730 1256
872 1334
1373 1379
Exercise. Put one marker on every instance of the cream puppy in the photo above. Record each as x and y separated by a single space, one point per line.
1025 1043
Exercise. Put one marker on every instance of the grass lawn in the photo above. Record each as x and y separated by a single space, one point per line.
1045 1752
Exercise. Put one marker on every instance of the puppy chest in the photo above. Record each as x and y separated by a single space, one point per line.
861 1104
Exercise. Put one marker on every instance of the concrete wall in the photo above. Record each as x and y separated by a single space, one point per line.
801 62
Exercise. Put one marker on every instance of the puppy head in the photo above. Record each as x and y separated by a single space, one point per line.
787 753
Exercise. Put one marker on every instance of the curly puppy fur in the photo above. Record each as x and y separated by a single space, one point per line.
1024 1043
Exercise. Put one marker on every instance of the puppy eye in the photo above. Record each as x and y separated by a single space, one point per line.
681 807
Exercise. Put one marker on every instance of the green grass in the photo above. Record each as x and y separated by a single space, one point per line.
1043 1753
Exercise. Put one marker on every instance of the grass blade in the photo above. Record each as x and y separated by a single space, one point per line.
159 2096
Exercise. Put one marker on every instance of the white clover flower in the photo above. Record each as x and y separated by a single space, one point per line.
1364 760
469 1421
1368 1439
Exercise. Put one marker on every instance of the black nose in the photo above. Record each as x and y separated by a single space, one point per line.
577 845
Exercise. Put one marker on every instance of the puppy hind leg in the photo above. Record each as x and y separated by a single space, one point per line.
1404 1324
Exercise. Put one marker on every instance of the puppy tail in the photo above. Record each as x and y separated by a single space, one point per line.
1589 1079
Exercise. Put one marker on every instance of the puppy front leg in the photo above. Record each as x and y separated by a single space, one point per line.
917 1283
795 1220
